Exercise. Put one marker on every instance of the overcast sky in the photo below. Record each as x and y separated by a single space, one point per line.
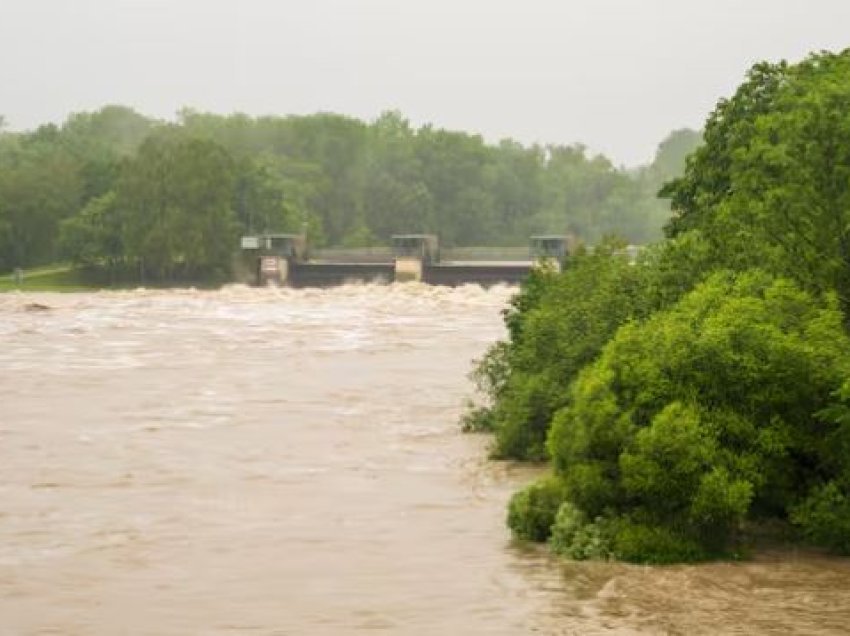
616 75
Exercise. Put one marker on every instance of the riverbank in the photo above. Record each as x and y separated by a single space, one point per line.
59 278
64 277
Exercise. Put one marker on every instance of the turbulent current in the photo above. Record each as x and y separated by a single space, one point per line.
289 462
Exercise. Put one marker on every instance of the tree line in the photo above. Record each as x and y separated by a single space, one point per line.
119 191
701 399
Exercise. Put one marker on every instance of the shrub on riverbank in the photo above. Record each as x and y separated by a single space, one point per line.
532 510
709 395
557 325
701 418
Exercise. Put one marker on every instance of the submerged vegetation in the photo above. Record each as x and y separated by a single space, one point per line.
691 399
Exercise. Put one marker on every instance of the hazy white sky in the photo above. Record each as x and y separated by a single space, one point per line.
617 75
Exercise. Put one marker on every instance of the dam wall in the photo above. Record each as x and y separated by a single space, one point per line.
285 259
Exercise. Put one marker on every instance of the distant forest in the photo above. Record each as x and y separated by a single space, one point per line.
116 189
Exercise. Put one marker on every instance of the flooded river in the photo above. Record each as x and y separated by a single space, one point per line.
288 462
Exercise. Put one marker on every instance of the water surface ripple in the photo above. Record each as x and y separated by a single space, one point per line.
288 462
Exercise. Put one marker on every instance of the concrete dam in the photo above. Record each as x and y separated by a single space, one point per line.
286 259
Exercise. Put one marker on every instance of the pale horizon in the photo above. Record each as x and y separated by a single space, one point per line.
613 75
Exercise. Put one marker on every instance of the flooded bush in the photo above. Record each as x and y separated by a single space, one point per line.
477 419
532 510
655 544
707 416
824 517
573 536
705 392
522 418
568 523
557 324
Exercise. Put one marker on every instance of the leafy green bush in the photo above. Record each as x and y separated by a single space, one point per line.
532 510
568 523
655 544
556 324
477 419
705 416
575 537
522 416
824 517
491 372
706 391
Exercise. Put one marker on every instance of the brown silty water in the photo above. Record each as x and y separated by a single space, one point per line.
289 462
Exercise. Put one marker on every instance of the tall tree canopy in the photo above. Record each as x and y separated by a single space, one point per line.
771 185
64 189
175 200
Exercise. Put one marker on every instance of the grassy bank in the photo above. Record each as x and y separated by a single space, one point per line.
64 277
58 277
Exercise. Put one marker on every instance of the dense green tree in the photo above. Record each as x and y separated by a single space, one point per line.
337 144
94 236
394 198
771 185
175 197
258 195
707 415
557 325
722 401
99 141
49 175
112 129
672 154
40 185
709 174
454 166
516 180
346 181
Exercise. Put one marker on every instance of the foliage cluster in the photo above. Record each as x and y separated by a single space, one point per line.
117 190
557 325
771 186
705 391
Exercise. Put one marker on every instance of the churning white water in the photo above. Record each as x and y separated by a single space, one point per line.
289 462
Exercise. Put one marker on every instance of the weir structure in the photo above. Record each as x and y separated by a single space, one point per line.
285 259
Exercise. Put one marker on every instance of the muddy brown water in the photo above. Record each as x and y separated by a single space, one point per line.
288 462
